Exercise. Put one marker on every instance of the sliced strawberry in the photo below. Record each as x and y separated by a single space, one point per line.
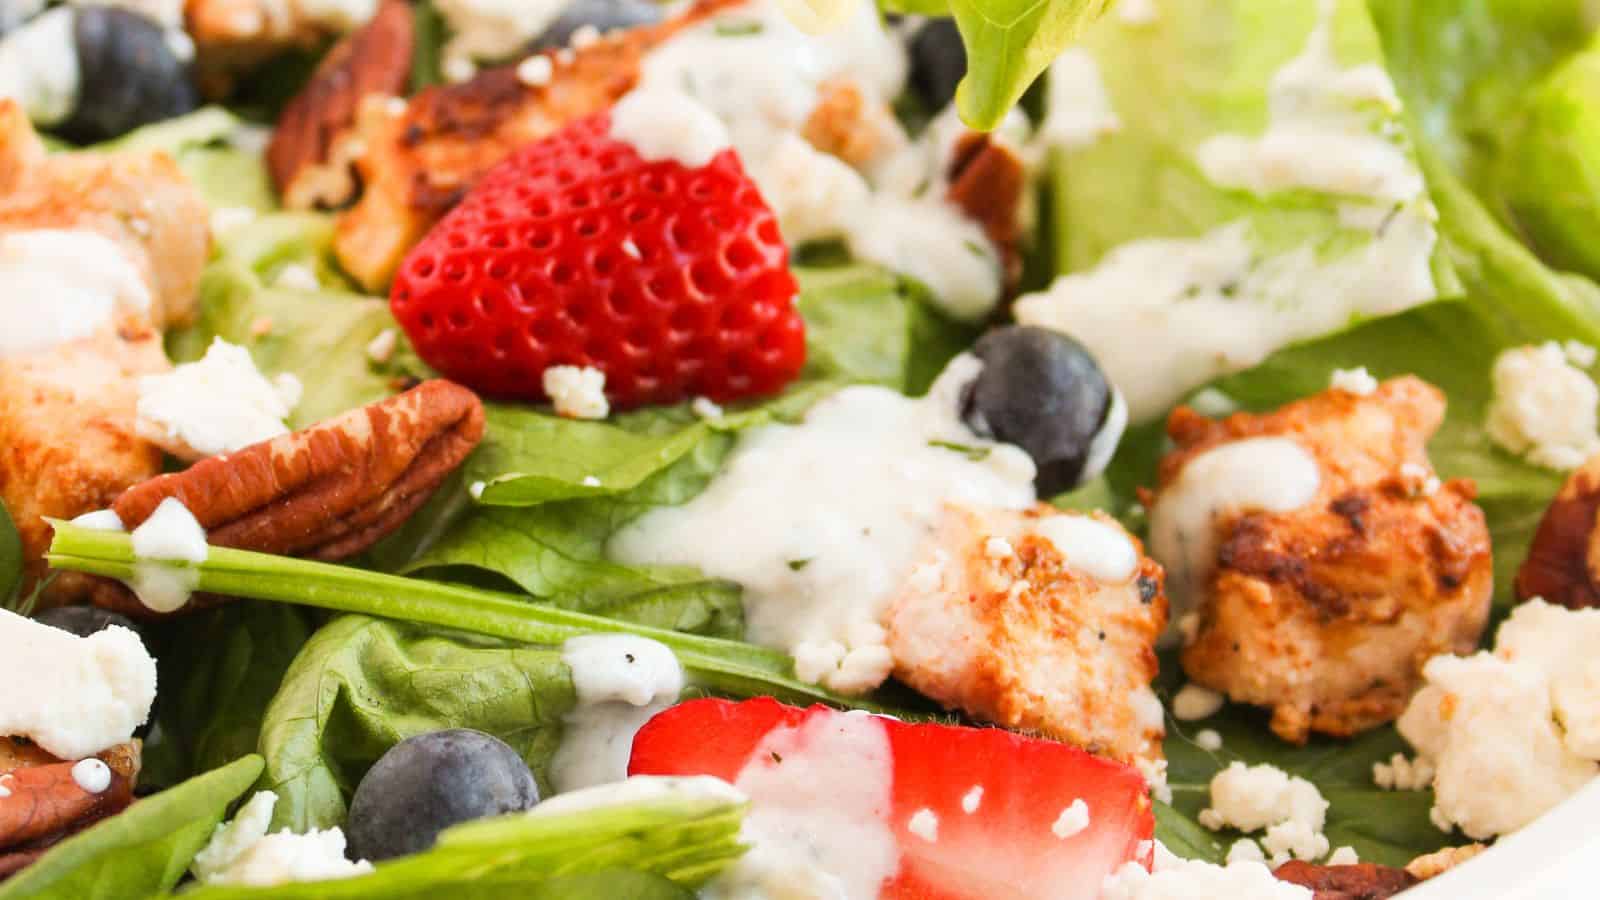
576 251
1006 846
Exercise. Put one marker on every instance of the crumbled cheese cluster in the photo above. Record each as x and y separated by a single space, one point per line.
218 404
1172 878
1545 407
577 393
1512 733
1290 808
1402 774
73 696
242 852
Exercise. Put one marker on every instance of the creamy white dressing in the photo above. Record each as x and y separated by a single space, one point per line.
821 521
1270 474
39 67
1198 308
667 124
88 279
621 681
1102 551
92 775
218 404
818 825
1320 134
73 696
171 535
1079 110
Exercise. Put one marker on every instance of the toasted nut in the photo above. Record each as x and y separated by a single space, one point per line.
845 125
332 490
987 182
1362 881
43 803
1563 563
374 60
1432 865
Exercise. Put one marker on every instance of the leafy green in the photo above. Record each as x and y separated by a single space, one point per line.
362 685
10 558
600 852
1009 42
140 852
225 175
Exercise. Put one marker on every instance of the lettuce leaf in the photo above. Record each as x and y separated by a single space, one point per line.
10 558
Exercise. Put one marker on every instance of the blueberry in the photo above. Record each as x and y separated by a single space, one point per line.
603 15
128 74
1042 391
938 62
85 620
430 782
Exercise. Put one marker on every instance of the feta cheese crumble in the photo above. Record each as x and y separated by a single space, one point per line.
924 824
535 71
1403 774
216 405
622 681
1544 408
1209 740
1289 808
822 521
241 852
1344 856
1354 381
578 393
494 29
1194 702
381 348
1186 879
73 696
1072 821
1513 732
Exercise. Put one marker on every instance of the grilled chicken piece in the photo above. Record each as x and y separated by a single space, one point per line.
421 160
139 200
67 440
1326 613
997 623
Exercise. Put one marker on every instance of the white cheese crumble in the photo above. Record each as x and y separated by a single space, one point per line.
1187 879
92 775
1512 733
822 521
1290 808
1344 856
622 681
703 408
88 279
494 29
1403 774
1208 739
171 535
72 696
1155 775
241 852
972 799
535 71
668 124
381 348
1245 849
1072 821
924 824
1078 111
1320 133
801 846
1272 474
1194 702
218 404
1544 408
998 548
1354 381
578 393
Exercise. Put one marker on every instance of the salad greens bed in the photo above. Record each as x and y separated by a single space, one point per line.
1500 101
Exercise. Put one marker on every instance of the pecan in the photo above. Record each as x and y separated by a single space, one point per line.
1563 562
1432 865
1362 881
987 182
312 148
333 490
43 803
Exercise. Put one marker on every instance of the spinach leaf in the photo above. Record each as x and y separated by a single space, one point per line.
606 884
362 685
10 558
140 852
1009 42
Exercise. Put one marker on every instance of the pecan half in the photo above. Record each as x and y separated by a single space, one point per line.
332 490
311 151
1362 881
42 803
1432 865
987 182
1563 563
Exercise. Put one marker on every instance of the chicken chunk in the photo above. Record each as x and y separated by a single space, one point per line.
1323 608
67 438
1001 621
420 160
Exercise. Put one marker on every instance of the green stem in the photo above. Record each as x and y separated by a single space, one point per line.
721 666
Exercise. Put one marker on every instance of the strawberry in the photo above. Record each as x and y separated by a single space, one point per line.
576 251
1001 843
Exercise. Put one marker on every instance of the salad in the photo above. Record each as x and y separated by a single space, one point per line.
795 448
